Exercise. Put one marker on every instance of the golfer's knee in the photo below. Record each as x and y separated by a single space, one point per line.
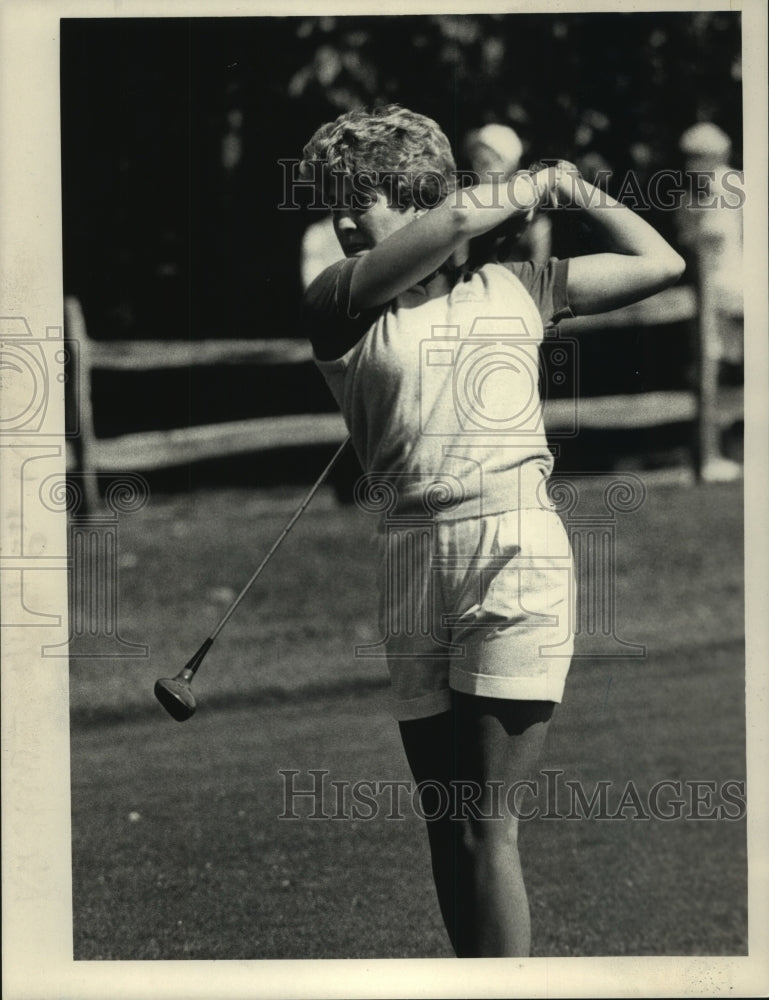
493 841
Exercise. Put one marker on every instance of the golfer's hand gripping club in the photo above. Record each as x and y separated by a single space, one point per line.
175 693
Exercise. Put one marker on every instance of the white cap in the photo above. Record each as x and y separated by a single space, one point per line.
705 140
500 138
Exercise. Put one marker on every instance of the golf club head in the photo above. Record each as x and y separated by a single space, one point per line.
176 697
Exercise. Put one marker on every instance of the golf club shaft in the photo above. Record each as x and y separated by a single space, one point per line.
278 541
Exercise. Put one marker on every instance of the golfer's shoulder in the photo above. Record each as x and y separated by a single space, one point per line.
328 322
547 284
328 295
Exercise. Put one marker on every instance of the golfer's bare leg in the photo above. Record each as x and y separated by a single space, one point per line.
497 741
475 856
429 746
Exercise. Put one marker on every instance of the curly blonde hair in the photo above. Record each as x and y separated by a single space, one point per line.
389 148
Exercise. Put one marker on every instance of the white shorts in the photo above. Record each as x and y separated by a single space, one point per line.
481 605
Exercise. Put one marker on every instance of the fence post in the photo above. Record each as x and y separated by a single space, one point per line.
707 434
711 465
79 400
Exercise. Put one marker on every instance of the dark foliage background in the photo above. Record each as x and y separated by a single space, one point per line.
172 129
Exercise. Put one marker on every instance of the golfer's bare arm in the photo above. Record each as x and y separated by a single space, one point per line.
639 261
416 250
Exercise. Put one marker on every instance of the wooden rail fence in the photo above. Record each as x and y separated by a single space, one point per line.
161 448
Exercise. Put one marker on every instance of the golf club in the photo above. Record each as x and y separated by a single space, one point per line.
175 693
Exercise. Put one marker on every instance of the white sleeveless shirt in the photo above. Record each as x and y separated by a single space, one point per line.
440 393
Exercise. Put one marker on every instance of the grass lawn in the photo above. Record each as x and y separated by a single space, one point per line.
178 851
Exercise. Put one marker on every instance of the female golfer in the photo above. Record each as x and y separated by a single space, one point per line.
434 366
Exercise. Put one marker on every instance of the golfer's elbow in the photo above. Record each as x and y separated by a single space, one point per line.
662 271
458 220
468 213
672 267
662 268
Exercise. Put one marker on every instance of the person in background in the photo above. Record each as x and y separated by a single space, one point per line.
710 233
319 249
494 153
710 228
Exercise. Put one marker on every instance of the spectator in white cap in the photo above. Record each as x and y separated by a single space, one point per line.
711 226
494 153
710 231
494 148
706 146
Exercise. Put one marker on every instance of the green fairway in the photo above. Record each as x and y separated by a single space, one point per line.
178 848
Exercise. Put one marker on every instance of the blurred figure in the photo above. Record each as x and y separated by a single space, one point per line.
320 247
594 167
710 232
493 149
494 153
712 236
